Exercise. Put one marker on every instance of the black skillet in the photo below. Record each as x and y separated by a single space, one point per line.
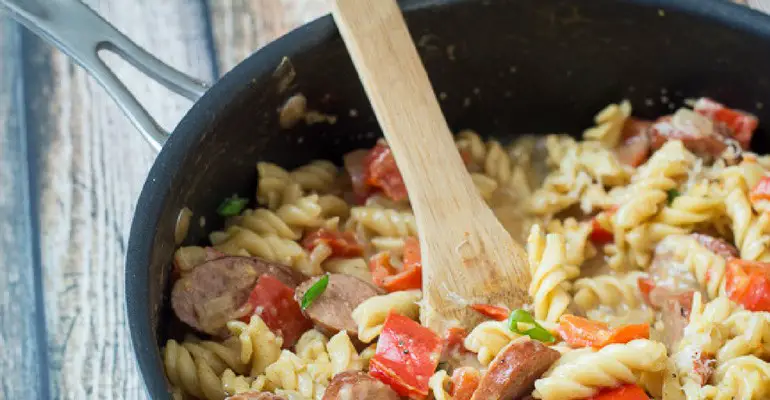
505 67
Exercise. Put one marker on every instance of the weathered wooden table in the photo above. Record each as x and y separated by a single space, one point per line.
71 167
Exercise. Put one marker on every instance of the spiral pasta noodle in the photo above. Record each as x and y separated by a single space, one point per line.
289 375
317 176
695 206
370 315
749 335
582 373
608 290
578 247
195 368
270 247
746 377
549 287
609 124
487 339
385 222
260 347
352 266
749 230
273 181
234 384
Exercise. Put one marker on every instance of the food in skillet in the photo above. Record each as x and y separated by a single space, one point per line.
649 250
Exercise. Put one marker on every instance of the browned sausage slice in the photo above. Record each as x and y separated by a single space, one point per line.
514 370
696 132
256 396
718 246
331 310
214 292
634 146
354 385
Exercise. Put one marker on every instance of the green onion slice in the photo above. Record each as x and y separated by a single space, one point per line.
672 194
314 291
232 206
537 333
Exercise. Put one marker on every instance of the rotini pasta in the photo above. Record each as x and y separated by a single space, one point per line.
547 260
259 346
581 373
608 290
317 176
609 124
487 339
371 314
385 222
195 367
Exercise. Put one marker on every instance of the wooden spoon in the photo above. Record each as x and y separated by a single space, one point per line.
467 255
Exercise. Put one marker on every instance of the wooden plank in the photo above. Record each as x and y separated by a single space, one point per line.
761 5
240 27
22 366
91 165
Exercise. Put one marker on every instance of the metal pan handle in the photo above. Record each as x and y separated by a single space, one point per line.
80 33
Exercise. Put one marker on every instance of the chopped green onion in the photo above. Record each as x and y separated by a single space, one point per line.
537 333
232 206
314 291
672 194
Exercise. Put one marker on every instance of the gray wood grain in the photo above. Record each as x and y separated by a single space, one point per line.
91 165
240 27
22 364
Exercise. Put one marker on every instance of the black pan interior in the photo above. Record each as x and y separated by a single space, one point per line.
504 68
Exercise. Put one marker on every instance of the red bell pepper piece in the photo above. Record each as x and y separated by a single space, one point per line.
274 303
343 244
464 381
387 277
407 355
582 332
381 172
748 283
601 234
761 192
626 392
495 312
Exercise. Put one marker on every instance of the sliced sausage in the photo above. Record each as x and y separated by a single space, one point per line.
331 310
697 133
353 385
635 142
214 292
514 370
256 396
718 246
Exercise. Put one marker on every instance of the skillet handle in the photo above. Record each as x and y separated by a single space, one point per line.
79 32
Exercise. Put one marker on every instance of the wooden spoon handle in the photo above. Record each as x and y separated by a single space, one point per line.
406 107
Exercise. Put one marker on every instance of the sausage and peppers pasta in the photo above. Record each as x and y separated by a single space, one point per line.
648 245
